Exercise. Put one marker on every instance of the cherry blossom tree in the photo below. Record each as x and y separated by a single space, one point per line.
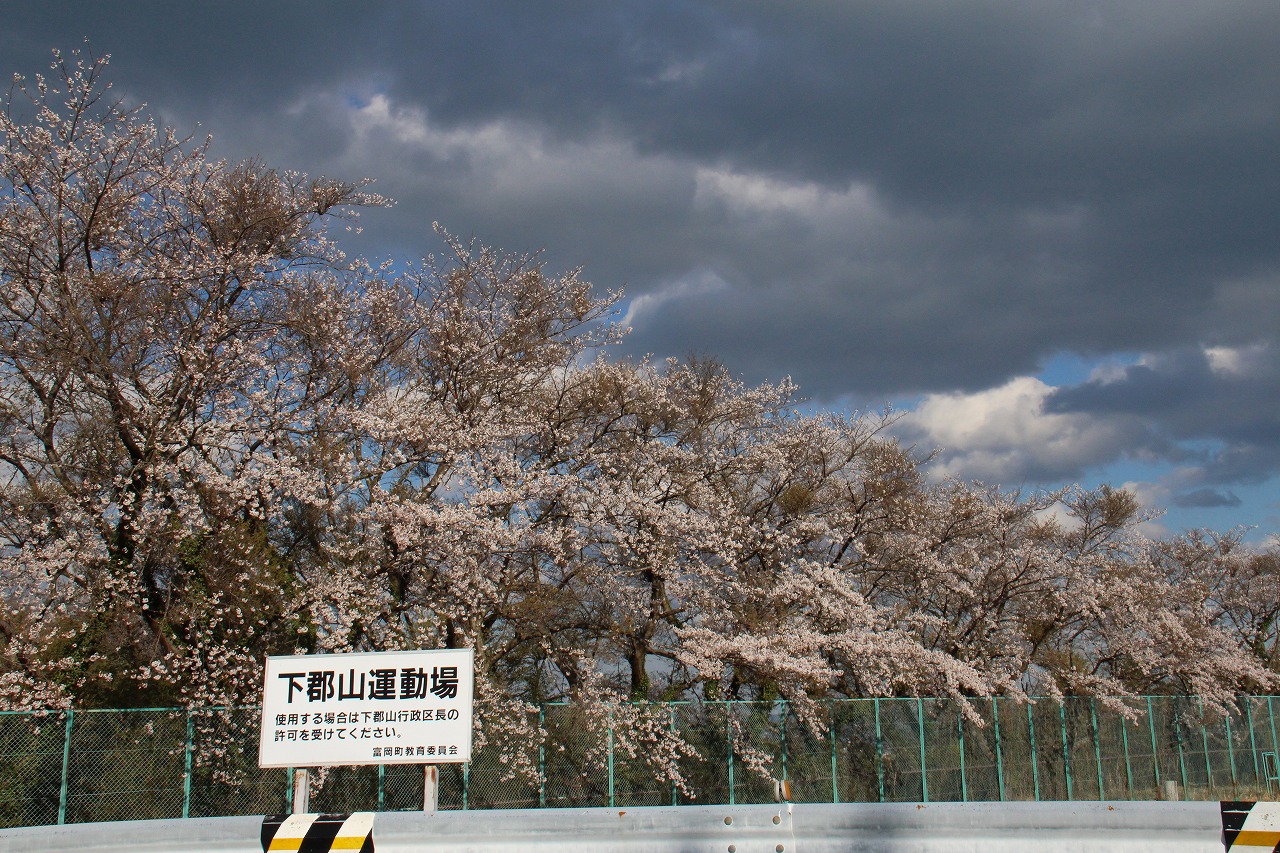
153 374
223 439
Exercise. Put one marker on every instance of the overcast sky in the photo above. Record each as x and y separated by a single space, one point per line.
1047 231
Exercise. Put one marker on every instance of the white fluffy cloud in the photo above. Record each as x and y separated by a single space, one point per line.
1004 435
699 283
1237 361
746 193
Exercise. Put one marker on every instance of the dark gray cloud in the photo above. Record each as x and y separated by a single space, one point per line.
880 199
1206 498
1215 408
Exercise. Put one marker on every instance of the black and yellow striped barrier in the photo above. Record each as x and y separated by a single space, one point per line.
1249 827
318 833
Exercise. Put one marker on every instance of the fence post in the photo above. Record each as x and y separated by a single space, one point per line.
1182 761
995 714
1128 765
66 766
611 762
831 734
879 749
1155 756
964 782
1066 752
466 785
671 724
1231 751
1253 740
1035 764
924 772
728 746
783 733
1270 713
542 756
186 773
382 787
1097 746
1204 740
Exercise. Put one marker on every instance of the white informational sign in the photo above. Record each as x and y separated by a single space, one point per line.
376 708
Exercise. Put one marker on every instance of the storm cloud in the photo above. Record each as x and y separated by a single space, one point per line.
918 203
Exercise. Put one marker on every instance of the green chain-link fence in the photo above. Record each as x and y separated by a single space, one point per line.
75 766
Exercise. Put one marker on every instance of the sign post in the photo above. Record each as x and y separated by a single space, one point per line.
301 790
410 707
430 788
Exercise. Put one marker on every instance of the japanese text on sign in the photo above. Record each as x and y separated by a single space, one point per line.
319 685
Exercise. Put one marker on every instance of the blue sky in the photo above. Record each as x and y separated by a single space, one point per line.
1046 232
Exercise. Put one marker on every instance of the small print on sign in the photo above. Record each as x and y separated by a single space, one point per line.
375 708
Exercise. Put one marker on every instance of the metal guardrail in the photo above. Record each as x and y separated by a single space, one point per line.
1106 827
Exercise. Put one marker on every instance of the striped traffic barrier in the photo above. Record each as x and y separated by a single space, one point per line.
318 833
1250 827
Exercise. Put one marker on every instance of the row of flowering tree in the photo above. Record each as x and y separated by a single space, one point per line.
220 438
